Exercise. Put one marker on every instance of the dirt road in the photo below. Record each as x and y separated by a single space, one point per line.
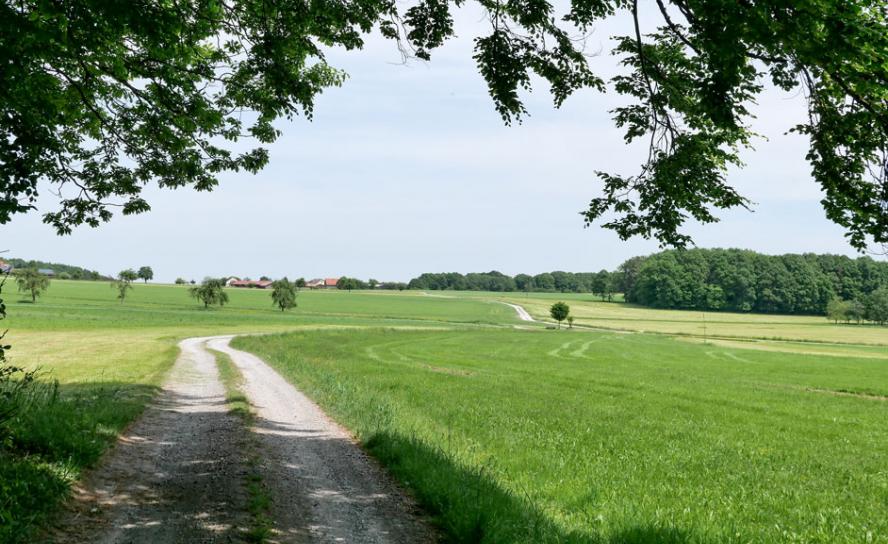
522 313
178 475
324 487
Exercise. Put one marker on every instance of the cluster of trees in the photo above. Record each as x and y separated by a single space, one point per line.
603 283
746 281
348 284
871 307
62 271
210 291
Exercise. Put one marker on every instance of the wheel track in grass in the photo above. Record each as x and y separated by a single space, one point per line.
177 475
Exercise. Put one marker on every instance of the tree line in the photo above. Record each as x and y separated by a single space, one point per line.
62 271
746 281
603 283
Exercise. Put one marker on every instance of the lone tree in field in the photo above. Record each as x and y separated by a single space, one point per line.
570 322
210 291
111 98
283 294
559 312
31 281
124 283
145 273
838 310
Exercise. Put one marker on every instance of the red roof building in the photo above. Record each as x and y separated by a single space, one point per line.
258 284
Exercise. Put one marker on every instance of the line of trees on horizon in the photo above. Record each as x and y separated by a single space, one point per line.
604 283
706 279
62 271
746 281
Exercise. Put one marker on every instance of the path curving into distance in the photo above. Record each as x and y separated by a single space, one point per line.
178 474
523 315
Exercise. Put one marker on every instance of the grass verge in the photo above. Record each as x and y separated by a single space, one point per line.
258 499
57 431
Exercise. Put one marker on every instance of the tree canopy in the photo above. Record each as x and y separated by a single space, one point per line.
145 273
745 281
101 99
559 312
283 294
31 281
210 291
124 283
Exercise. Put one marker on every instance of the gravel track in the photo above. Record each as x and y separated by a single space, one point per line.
177 475
324 487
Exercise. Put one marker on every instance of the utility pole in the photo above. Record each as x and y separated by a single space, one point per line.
704 328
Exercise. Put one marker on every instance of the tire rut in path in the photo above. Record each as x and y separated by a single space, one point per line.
324 488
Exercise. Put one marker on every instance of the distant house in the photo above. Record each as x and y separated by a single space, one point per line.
231 280
46 272
249 284
5 267
322 283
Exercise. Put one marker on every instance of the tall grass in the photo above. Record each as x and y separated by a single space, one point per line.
54 432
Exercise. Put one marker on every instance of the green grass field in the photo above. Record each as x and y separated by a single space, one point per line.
590 311
506 431
570 436
109 358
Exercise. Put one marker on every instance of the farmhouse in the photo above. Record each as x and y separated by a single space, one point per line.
322 283
254 284
5 267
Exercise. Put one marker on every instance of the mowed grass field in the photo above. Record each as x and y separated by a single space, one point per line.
506 431
592 312
594 437
110 358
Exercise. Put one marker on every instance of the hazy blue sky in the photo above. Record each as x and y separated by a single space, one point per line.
408 169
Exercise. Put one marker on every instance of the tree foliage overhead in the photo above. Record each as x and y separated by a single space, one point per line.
102 98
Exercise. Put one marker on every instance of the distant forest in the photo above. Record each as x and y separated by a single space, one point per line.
62 271
745 281
604 283
701 279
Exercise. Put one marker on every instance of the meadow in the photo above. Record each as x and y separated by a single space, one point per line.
101 361
588 437
505 431
590 311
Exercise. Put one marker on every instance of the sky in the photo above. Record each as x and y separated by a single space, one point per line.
407 168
